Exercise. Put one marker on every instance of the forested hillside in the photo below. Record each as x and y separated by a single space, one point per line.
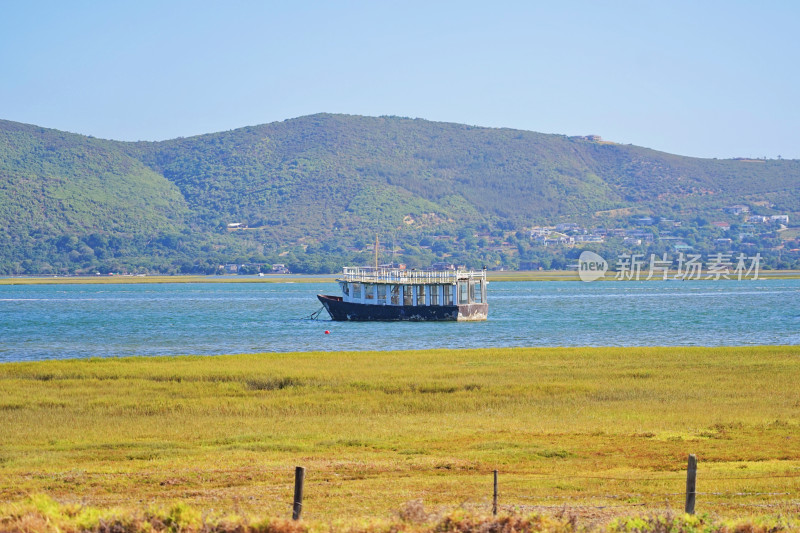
311 192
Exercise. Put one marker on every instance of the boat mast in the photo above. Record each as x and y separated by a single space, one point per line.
376 253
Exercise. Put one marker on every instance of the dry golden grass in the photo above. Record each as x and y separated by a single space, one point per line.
587 428
105 280
534 275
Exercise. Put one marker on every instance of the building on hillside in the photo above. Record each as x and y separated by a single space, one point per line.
569 226
561 239
540 231
639 234
737 209
590 238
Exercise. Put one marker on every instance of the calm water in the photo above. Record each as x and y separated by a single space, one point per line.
68 321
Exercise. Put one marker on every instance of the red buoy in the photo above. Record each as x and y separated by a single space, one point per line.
327 332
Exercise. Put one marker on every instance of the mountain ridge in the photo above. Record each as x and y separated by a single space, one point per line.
331 178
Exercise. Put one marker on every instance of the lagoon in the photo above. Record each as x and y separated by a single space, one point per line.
39 322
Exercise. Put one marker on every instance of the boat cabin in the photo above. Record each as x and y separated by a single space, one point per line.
367 285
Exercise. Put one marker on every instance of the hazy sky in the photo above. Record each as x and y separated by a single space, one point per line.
700 78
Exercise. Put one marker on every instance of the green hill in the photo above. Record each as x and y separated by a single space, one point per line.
310 188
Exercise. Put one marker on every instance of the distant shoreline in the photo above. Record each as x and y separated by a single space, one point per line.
541 275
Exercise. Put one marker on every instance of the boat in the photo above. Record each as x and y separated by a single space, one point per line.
381 293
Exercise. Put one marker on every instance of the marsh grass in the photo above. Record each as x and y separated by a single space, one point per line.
592 427
537 275
135 280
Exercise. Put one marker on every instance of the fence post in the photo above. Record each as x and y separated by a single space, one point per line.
299 478
494 498
691 484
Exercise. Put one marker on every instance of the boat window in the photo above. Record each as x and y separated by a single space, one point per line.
420 294
463 294
369 291
434 294
346 289
476 292
356 290
381 293
395 294
447 295
408 294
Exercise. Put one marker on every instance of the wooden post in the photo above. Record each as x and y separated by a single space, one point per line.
299 478
691 484
494 498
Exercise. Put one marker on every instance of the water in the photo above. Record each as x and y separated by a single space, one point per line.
74 321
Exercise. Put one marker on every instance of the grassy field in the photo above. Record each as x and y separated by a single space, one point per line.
604 431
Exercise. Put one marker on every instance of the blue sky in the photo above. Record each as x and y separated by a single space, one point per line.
706 79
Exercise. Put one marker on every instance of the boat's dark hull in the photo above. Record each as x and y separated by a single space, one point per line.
341 310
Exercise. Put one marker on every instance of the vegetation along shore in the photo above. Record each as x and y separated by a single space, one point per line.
536 275
593 433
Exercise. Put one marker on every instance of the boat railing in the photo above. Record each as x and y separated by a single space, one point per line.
402 276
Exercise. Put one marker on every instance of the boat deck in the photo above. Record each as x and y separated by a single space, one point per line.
408 277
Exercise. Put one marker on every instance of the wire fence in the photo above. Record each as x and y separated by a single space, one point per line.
512 496
282 470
